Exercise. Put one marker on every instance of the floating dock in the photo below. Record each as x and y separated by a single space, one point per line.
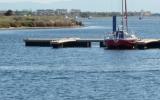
148 43
85 43
62 42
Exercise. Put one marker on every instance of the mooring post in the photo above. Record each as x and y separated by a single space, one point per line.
88 44
102 44
114 23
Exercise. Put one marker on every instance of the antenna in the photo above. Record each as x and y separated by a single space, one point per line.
122 16
126 15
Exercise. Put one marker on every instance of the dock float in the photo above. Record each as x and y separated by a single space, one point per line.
69 42
85 43
40 42
148 43
62 42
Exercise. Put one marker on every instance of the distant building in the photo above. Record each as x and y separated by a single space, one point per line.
50 12
61 11
2 12
47 12
23 13
147 13
75 12
40 12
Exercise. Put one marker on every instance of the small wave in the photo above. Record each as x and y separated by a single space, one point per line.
93 27
97 27
76 69
61 78
151 58
24 68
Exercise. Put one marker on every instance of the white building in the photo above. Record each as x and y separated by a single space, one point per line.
61 11
47 12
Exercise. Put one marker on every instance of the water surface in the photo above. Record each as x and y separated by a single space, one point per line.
37 73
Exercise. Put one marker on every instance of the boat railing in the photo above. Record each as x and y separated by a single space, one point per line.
108 36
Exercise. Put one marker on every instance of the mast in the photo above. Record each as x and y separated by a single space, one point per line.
122 16
126 15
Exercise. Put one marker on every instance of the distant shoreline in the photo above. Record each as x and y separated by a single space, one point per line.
37 22
21 28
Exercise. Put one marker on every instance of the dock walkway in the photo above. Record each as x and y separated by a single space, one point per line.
85 42
62 42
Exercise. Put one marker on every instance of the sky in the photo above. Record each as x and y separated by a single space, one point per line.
84 5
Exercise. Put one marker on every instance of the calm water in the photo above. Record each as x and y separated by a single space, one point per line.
36 73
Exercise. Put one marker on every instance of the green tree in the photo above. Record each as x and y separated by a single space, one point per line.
8 13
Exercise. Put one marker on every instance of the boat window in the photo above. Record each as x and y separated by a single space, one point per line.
120 34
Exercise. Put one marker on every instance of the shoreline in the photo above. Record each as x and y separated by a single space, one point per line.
21 28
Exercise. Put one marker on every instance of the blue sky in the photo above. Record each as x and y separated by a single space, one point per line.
84 5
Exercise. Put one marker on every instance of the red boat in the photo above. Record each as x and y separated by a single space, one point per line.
121 39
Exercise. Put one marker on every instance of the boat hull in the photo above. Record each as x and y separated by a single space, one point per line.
120 44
